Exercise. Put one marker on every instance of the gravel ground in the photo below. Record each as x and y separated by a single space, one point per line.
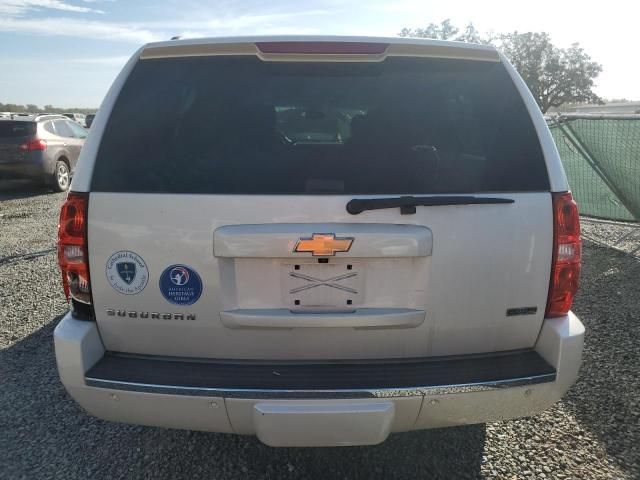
622 236
593 433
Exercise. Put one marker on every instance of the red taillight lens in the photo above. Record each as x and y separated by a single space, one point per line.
567 253
324 48
72 248
35 144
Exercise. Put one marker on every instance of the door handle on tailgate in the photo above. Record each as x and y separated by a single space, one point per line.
364 318
278 240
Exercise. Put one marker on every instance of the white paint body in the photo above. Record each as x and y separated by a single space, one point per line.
434 283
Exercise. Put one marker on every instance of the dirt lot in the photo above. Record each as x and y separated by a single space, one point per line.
593 433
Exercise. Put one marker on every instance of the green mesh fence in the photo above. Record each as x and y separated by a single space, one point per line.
601 155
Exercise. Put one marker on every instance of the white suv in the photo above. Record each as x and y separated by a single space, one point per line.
318 241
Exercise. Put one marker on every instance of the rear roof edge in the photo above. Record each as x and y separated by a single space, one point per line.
413 47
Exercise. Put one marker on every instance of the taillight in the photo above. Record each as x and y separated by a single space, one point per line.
72 248
34 144
567 252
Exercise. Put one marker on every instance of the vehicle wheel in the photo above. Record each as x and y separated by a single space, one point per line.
61 177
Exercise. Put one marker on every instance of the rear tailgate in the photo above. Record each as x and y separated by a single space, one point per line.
218 225
484 261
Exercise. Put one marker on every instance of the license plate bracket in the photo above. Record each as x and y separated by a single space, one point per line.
338 284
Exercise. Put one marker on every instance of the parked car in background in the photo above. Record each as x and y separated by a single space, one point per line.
256 271
43 148
89 120
77 117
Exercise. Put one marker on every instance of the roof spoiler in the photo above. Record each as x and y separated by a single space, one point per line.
318 49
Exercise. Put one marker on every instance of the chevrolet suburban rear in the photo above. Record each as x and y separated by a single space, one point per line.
318 241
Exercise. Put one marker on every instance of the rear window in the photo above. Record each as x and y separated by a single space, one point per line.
240 125
9 129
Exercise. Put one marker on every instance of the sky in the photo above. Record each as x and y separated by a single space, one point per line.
68 52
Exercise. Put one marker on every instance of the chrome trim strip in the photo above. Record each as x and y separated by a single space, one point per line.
315 394
360 318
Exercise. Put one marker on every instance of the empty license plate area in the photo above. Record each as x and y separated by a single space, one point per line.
337 284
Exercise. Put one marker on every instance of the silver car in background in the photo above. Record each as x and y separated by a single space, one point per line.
42 148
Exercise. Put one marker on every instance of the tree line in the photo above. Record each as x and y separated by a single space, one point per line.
31 108
555 76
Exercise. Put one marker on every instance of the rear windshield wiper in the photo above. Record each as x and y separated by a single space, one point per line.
408 204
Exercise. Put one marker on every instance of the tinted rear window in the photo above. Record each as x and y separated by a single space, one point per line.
239 125
9 129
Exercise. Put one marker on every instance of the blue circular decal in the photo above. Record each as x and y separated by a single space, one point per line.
180 285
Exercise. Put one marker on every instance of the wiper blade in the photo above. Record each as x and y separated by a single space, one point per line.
408 204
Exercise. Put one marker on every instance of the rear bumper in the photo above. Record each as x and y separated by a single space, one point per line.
311 404
32 166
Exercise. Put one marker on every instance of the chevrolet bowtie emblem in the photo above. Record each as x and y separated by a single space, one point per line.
323 244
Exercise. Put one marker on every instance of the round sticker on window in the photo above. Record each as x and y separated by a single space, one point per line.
180 285
127 272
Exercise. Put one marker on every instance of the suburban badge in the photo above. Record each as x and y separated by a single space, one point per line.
113 312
